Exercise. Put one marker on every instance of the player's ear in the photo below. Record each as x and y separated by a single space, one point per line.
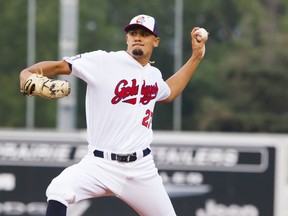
156 41
126 38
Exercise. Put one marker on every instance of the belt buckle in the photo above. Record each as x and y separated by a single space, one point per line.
126 157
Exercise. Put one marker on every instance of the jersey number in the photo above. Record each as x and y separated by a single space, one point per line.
147 120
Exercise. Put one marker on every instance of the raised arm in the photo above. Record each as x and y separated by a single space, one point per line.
45 68
35 80
180 79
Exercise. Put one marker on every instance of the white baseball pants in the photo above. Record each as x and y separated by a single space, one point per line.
136 183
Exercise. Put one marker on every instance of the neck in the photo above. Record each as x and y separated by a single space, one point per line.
143 60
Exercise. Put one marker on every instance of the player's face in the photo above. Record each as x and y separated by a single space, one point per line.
140 43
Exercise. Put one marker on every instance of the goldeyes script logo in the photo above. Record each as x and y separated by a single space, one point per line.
127 92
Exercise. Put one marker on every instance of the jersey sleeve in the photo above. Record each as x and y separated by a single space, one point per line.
164 90
85 65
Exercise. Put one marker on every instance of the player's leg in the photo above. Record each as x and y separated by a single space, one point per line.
149 202
56 208
74 184
144 190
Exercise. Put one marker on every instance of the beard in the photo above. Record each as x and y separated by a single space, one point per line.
137 52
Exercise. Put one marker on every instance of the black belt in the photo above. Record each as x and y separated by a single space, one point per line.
122 157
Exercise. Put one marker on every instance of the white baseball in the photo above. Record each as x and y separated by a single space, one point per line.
202 33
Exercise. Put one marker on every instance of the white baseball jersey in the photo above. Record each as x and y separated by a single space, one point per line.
120 99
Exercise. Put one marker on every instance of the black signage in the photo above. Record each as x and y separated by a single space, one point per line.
202 180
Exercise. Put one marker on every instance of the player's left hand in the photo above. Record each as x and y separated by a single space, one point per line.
198 47
42 86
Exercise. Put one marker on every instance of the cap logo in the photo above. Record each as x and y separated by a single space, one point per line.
140 20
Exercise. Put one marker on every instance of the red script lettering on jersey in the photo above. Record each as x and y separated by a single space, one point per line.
148 93
123 90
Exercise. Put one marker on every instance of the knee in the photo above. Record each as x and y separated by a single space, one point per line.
60 192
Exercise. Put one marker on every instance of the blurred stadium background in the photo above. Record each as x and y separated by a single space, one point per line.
245 54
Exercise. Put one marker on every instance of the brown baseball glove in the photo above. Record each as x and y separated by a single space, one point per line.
42 86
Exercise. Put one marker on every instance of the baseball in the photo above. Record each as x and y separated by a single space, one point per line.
202 33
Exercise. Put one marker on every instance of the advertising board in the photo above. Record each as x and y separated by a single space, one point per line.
204 174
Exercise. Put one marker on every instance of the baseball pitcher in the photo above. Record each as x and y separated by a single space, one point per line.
122 90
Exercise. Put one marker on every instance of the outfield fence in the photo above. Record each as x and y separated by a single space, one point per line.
205 174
